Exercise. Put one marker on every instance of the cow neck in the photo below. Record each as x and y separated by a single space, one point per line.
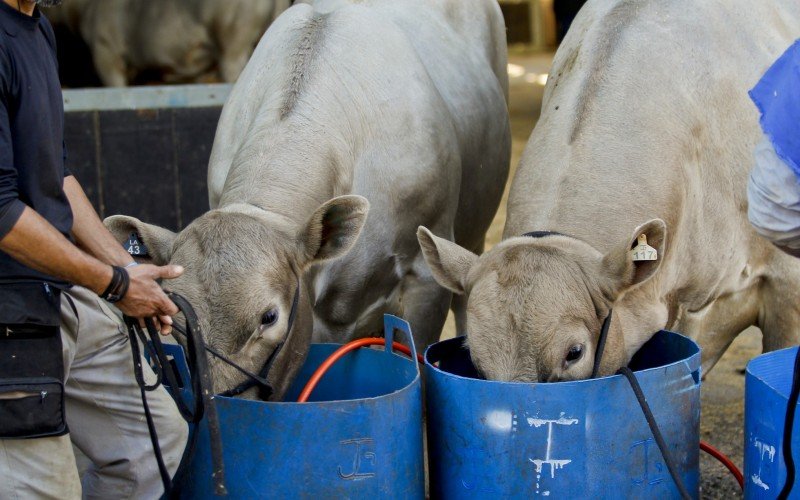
292 180
255 210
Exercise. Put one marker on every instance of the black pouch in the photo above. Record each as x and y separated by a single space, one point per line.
31 362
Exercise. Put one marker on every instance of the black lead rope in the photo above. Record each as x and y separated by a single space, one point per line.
133 333
788 427
601 344
201 388
642 400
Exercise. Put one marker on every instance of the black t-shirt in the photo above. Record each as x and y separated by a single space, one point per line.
32 154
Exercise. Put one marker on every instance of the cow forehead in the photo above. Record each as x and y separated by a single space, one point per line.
531 284
220 244
234 279
526 266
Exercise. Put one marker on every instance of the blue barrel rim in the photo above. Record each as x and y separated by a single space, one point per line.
695 356
760 360
391 324
312 404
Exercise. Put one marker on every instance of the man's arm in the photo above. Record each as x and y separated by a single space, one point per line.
30 239
92 237
89 232
37 244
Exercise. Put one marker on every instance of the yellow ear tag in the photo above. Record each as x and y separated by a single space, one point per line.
643 251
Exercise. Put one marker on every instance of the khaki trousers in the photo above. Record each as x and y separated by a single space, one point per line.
105 418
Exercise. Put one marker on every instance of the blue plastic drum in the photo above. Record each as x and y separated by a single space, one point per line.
359 436
767 383
583 439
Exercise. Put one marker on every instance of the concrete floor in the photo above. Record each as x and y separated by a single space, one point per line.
722 392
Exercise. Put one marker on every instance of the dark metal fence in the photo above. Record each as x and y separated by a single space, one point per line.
144 151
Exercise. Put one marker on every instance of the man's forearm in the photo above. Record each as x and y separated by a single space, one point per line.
37 244
88 230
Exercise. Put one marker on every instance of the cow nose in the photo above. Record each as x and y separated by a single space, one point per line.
329 331
552 377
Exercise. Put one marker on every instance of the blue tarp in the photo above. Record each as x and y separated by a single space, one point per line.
777 96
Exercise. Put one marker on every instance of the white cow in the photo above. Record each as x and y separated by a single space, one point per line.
646 128
402 103
181 40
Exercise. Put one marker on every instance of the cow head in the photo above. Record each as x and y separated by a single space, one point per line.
535 306
242 269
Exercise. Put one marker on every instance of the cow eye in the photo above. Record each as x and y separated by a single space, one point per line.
575 353
270 317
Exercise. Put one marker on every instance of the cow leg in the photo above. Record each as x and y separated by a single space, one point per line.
715 326
110 67
459 307
236 47
232 63
779 318
425 305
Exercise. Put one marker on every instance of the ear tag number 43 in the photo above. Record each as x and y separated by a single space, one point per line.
643 251
134 246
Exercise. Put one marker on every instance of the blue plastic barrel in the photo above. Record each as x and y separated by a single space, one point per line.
582 439
767 383
359 436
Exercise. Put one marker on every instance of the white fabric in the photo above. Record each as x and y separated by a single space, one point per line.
773 194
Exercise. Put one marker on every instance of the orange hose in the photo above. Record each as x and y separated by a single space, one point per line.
724 460
339 353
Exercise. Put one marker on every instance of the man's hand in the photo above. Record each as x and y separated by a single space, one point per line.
90 267
146 299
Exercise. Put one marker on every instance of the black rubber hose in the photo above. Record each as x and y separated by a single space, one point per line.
651 421
788 426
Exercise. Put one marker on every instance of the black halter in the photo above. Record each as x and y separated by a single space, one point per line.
260 380
542 234
601 341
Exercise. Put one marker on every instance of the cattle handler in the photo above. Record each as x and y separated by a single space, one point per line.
773 192
66 371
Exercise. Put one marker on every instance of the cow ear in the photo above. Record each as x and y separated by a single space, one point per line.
449 262
624 269
157 241
333 228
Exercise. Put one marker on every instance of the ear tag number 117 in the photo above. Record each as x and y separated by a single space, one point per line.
643 251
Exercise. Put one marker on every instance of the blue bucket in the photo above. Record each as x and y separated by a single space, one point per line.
582 439
767 383
359 436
